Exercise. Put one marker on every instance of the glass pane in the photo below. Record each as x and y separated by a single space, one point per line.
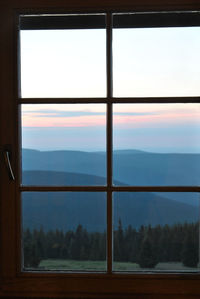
64 231
154 233
63 63
156 62
157 144
64 144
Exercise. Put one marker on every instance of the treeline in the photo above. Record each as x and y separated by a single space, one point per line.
78 245
146 246
151 245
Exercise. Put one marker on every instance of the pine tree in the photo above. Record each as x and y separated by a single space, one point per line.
147 257
190 249
31 254
119 254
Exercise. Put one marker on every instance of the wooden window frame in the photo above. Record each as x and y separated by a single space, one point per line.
14 282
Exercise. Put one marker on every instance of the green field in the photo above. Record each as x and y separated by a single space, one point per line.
70 265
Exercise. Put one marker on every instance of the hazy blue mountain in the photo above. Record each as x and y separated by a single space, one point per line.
67 161
131 167
157 169
129 151
65 210
55 178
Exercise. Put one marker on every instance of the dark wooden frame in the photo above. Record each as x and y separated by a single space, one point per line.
125 20
74 285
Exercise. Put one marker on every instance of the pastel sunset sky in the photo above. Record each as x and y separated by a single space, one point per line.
146 63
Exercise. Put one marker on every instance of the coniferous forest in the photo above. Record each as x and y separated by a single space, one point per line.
146 246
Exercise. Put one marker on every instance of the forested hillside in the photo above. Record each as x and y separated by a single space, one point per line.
146 246
157 227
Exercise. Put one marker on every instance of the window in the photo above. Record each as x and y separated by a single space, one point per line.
108 139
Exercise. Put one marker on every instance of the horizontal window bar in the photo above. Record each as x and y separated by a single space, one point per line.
157 189
111 189
61 100
159 19
109 100
125 20
63 188
156 100
39 22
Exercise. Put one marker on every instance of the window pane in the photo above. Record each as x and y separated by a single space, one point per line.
63 63
153 232
64 144
64 231
156 62
157 144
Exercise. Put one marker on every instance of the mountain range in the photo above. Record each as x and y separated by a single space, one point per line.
130 167
65 210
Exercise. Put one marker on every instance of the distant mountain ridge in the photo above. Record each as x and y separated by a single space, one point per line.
130 167
56 178
65 210
66 161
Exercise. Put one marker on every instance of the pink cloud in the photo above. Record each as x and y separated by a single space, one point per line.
158 119
39 119
80 121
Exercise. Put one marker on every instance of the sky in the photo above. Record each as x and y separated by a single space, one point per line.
154 62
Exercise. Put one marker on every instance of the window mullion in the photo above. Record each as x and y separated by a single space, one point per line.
155 100
62 100
109 142
110 99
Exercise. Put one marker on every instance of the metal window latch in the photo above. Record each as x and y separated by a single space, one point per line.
7 155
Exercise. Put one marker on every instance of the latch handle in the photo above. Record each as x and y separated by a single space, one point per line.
6 154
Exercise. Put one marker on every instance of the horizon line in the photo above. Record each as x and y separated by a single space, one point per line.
116 150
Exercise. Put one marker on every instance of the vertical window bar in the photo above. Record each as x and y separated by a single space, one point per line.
109 141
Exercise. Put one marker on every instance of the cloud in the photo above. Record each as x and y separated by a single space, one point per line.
33 120
129 116
57 113
135 113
